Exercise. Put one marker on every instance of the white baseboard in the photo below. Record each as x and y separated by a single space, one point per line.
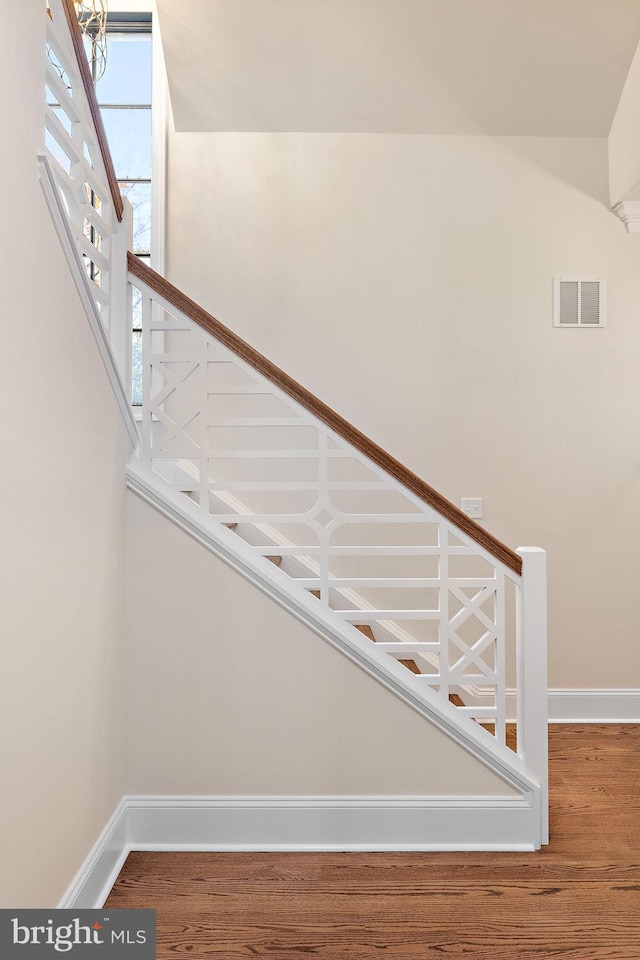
91 885
594 706
300 824
331 823
576 706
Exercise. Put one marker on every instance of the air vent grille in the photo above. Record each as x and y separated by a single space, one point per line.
578 302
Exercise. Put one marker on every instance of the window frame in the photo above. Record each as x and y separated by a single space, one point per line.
142 18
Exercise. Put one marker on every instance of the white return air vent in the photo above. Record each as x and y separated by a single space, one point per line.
578 302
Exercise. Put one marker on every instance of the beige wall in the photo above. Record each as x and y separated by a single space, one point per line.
230 695
407 280
62 507
624 139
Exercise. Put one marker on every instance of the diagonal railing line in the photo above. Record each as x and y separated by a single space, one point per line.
324 413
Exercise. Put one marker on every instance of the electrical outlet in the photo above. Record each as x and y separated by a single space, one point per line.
472 506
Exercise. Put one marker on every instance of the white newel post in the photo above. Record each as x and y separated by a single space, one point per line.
532 674
119 311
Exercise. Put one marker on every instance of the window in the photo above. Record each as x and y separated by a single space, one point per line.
124 95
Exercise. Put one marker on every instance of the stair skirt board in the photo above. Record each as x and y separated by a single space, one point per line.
299 824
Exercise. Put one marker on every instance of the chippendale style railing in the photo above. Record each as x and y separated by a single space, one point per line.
252 463
238 443
80 165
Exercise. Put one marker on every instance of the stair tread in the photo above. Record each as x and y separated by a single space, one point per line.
410 665
366 630
274 559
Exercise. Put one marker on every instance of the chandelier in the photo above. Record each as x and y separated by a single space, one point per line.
92 17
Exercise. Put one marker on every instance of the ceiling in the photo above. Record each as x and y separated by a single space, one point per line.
501 67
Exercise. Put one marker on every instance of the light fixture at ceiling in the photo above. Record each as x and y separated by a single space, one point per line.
92 17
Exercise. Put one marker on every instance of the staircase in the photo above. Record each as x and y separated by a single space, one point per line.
286 491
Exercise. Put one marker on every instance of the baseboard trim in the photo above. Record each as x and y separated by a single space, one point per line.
331 823
578 706
304 824
95 878
594 706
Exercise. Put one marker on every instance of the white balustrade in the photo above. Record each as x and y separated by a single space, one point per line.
224 441
72 148
219 435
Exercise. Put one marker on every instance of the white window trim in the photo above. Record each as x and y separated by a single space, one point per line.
159 101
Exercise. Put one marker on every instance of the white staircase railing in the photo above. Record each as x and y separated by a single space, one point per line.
75 145
373 558
221 438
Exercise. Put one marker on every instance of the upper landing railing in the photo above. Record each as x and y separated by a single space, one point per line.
88 89
81 166
398 571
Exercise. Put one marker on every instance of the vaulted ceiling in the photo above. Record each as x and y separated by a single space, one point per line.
507 67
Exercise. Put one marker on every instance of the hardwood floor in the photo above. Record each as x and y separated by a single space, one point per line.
577 899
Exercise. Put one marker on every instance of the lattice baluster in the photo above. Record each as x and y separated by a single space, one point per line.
323 501
78 130
76 175
500 657
147 380
443 597
120 320
206 455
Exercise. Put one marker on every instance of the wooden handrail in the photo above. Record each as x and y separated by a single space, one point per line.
89 89
324 413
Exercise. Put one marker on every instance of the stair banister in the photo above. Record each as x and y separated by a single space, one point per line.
324 413
80 161
165 307
71 16
457 680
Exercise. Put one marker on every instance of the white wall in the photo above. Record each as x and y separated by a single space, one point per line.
62 509
230 695
407 280
624 138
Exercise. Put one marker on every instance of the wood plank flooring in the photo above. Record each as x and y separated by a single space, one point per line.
577 899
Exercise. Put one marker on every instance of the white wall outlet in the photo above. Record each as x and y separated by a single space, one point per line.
472 506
